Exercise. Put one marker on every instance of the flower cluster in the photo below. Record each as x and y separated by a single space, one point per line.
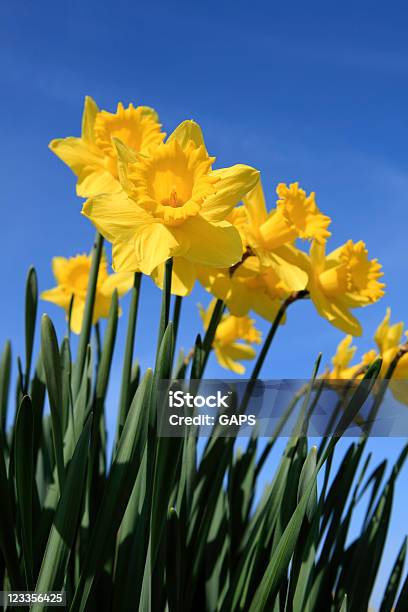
155 197
391 348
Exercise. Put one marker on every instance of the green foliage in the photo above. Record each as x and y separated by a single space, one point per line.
165 527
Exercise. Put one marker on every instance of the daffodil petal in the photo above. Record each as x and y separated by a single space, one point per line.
77 314
88 119
183 276
264 306
122 282
238 351
336 313
151 246
294 277
102 307
59 265
227 363
93 183
232 185
186 131
57 296
211 244
116 216
255 205
347 322
239 301
77 154
317 257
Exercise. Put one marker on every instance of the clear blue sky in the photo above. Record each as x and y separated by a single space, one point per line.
313 92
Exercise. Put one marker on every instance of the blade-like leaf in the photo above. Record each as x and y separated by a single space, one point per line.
65 524
52 368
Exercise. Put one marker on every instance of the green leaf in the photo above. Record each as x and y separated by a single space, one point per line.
174 563
125 396
402 602
117 492
88 313
25 484
66 368
5 371
391 589
61 540
52 368
165 303
31 302
7 529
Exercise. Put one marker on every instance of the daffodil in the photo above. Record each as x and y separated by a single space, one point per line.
93 156
269 234
343 280
389 339
172 204
248 287
342 368
233 339
71 275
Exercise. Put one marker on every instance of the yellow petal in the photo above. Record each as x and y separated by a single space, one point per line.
59 267
292 276
88 119
214 280
122 282
238 351
77 154
336 313
388 336
186 131
116 216
102 307
183 276
151 246
96 182
57 296
399 389
266 307
226 362
317 257
211 244
77 314
255 205
232 185
239 300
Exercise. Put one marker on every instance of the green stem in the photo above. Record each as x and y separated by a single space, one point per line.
165 303
267 344
88 313
176 316
210 333
128 357
98 340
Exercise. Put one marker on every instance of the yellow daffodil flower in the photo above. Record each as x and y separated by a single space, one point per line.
389 339
93 156
172 204
388 336
343 280
227 348
270 233
72 280
342 370
248 287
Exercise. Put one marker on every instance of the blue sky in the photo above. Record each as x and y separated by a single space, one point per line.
307 91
